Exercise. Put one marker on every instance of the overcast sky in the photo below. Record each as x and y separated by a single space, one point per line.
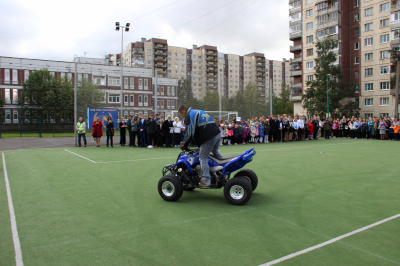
57 30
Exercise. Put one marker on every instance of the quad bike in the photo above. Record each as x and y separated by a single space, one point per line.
185 174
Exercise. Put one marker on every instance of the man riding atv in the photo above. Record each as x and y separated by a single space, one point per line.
201 128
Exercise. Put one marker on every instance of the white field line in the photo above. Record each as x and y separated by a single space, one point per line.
298 253
80 156
137 160
14 231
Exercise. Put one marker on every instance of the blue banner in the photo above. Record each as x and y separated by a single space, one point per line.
103 114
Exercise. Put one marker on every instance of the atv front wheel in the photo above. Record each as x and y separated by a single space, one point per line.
249 175
237 191
170 187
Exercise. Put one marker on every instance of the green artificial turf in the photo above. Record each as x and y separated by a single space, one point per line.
71 211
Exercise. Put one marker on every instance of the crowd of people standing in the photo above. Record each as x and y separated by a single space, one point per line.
154 132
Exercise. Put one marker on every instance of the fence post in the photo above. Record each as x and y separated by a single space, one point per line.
40 126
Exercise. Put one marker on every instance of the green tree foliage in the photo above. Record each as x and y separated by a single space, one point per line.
341 94
249 103
283 105
46 96
185 94
210 101
88 96
2 102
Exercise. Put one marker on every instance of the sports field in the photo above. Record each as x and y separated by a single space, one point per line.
100 206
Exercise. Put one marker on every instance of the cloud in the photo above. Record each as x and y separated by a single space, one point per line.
46 30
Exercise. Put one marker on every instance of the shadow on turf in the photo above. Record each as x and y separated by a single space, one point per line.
202 195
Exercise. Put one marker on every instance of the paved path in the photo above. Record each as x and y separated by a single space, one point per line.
32 143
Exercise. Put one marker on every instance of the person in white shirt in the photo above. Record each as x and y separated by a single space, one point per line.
177 125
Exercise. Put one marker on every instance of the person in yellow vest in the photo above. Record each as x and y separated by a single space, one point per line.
81 128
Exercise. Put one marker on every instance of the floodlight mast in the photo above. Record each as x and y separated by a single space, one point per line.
117 26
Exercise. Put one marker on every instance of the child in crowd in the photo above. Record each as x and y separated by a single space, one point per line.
230 134
266 131
222 133
261 130
257 133
236 134
245 134
252 133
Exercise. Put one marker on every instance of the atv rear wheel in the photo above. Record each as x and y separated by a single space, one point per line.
249 175
237 191
170 187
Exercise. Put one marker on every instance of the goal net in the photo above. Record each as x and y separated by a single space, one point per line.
223 115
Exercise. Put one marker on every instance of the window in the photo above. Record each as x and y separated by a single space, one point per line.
168 91
295 28
322 6
384 23
385 85
357 31
356 74
309 26
26 77
7 95
356 2
356 46
146 100
310 77
368 26
384 38
112 81
368 41
131 83
146 84
356 60
161 90
368 11
369 57
383 115
7 75
15 115
168 104
310 65
15 76
140 100
385 70
357 17
8 116
369 87
310 38
369 72
99 80
126 83
132 99
384 54
295 4
396 16
369 102
384 7
126 99
328 31
172 91
162 104
113 98
309 52
173 104
15 96
368 115
140 84
309 2
384 101
309 12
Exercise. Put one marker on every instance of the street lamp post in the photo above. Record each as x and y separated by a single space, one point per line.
117 26
327 92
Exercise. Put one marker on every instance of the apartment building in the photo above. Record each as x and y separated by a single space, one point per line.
363 28
208 68
138 84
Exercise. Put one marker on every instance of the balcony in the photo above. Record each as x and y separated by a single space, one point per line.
260 69
211 65
161 72
138 51
160 53
211 53
261 64
211 76
260 75
212 82
296 60
296 86
327 24
164 48
295 48
161 65
295 98
294 73
260 59
212 87
164 60
211 59
294 35
210 70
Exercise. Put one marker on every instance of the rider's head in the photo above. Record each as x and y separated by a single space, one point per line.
182 110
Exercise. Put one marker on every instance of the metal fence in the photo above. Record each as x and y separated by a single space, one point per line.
37 127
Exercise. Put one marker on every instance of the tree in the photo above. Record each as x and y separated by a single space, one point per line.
283 103
46 96
2 102
341 94
248 103
88 96
185 94
210 101
227 103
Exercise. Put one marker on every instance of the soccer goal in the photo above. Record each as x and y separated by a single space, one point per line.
223 115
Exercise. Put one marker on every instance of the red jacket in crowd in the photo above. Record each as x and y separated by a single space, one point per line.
99 127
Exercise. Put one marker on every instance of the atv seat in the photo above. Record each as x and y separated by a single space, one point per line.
223 160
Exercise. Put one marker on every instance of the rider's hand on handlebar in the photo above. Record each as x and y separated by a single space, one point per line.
184 147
